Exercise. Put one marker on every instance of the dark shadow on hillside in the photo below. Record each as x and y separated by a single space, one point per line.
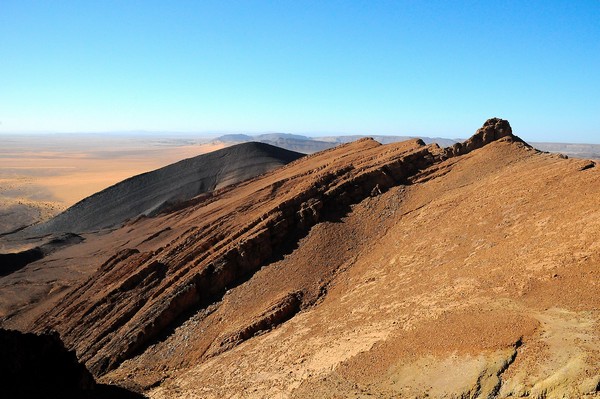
11 262
39 366
14 261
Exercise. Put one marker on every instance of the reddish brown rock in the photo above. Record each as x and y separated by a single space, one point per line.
396 270
493 129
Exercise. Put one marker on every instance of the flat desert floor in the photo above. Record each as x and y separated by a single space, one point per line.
41 175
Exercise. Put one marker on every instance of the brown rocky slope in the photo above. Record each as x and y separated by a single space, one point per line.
402 270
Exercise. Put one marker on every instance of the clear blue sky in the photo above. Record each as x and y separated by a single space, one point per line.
436 68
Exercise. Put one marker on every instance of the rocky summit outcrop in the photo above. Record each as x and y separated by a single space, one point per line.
493 129
367 270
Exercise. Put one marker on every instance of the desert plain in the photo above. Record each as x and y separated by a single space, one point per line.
43 174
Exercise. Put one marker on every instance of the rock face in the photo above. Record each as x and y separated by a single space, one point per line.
493 129
401 270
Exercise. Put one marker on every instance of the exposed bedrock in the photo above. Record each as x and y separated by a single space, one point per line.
284 309
493 129
136 297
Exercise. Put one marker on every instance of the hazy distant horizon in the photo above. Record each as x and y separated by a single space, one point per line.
312 135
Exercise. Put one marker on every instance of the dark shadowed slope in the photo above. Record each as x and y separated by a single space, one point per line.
148 193
39 366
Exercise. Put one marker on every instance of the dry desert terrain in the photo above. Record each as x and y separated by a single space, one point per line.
41 175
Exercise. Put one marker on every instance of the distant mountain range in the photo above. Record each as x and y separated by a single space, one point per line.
571 149
309 145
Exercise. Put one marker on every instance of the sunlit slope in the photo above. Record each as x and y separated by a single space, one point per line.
400 270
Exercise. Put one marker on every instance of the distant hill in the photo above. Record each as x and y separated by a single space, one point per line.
150 192
235 138
390 139
571 149
292 142
309 145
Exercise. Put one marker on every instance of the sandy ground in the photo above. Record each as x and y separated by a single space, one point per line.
43 175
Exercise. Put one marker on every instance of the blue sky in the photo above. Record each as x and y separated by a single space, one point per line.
435 68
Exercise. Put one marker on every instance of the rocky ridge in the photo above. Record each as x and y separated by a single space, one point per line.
150 290
139 295
397 270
